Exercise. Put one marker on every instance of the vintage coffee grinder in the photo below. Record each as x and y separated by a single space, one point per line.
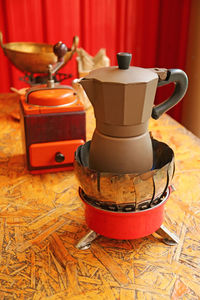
53 122
124 174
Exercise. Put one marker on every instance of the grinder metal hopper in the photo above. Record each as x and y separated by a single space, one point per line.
34 57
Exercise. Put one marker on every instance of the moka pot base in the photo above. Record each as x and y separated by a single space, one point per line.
129 199
116 155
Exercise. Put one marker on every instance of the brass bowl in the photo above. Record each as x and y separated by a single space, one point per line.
34 57
126 189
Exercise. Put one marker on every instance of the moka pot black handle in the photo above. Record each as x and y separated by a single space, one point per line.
180 79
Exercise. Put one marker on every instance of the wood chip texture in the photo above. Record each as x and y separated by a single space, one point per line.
42 219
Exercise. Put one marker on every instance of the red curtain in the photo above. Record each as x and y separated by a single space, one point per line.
155 31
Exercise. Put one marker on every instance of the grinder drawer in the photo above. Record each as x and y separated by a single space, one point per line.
53 153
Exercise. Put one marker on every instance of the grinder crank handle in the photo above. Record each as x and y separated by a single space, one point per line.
180 79
59 49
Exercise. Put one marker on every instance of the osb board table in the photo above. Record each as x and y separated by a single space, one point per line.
42 219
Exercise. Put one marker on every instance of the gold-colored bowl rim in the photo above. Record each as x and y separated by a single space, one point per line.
36 57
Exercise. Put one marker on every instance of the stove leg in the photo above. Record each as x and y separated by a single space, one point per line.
86 241
169 238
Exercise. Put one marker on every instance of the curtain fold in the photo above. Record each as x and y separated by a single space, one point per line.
154 31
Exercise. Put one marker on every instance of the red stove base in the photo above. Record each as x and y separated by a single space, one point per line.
124 225
132 225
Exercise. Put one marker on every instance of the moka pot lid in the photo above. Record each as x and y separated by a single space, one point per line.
123 73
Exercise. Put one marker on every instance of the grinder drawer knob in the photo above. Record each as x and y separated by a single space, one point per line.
59 157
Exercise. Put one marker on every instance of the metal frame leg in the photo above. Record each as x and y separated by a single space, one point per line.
169 238
86 241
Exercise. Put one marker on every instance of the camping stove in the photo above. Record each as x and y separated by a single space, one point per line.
126 206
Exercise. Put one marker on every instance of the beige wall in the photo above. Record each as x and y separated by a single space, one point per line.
191 103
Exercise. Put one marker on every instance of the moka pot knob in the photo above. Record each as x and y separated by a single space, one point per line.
124 59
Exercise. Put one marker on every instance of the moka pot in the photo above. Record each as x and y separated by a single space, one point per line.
123 100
